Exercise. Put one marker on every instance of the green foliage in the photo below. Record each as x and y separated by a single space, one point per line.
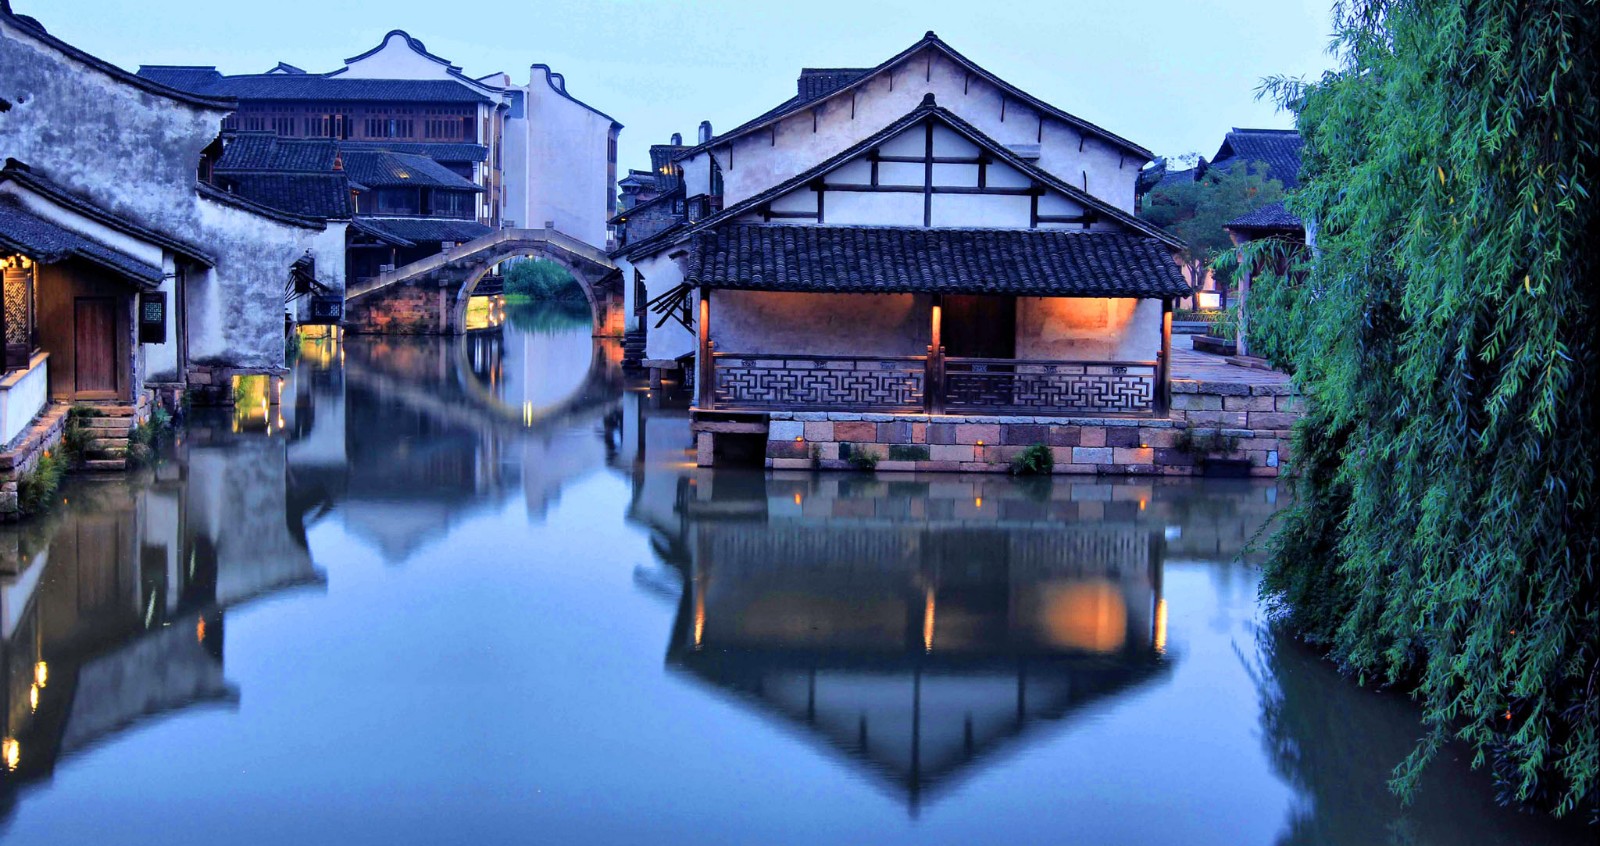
548 316
1443 534
539 279
144 437
1036 460
862 458
36 490
1226 326
1196 210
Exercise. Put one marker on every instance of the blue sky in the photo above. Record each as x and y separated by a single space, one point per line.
1170 75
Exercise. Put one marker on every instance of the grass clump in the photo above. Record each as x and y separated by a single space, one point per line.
1036 460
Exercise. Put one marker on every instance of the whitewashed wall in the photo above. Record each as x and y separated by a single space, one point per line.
762 159
557 159
1088 328
821 324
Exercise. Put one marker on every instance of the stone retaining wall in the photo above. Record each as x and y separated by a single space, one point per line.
1214 428
19 458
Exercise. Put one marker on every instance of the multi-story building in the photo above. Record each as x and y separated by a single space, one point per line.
434 156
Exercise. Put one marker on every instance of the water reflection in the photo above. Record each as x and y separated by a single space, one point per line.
405 437
585 623
115 604
921 628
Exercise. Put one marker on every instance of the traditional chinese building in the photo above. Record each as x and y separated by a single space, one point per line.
422 139
921 241
125 277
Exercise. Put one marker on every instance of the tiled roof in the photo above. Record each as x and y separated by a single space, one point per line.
308 86
419 229
440 151
25 232
1273 217
1279 149
881 259
182 77
266 151
378 168
820 82
929 40
245 204
32 180
320 195
929 108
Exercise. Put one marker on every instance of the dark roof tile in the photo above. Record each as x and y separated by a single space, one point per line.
267 151
319 195
1278 149
25 232
420 229
881 260
1273 217
308 86
381 168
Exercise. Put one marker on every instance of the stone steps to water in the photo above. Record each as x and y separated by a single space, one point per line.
110 430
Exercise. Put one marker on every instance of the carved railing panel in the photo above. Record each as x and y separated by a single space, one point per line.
1007 386
809 383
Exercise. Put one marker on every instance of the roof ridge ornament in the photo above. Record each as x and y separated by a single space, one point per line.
928 102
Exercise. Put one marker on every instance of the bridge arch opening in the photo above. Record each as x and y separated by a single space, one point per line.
551 273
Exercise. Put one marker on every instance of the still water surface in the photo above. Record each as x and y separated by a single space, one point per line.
474 591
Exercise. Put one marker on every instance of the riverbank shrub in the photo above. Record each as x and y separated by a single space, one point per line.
862 457
37 488
1443 533
1036 460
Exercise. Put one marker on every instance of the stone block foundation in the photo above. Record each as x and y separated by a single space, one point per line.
1214 429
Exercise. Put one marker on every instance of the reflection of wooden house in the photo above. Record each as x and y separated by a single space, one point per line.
919 647
120 617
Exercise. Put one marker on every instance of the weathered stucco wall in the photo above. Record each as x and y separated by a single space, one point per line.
821 324
1094 329
135 153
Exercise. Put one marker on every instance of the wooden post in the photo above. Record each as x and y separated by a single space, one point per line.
933 379
1163 397
705 373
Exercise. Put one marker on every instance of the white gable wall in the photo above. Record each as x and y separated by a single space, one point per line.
396 60
844 202
800 141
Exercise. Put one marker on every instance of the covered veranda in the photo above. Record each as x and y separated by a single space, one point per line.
932 321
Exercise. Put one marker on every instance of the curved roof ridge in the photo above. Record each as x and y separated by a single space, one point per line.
36 30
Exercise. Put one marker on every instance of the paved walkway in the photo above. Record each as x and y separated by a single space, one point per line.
1205 367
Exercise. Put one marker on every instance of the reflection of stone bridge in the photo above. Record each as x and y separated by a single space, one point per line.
429 296
455 384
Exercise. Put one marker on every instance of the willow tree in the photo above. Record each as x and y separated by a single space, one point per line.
1444 536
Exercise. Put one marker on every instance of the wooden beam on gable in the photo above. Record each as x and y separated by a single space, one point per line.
927 179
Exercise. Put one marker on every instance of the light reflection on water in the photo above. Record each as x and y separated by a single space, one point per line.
473 590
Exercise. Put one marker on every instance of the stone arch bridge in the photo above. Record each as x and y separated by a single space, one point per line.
429 296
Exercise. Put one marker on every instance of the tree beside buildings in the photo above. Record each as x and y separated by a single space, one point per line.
1443 536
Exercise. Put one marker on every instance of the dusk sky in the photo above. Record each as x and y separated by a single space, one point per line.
1172 76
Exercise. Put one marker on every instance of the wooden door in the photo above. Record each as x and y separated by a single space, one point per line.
980 327
95 348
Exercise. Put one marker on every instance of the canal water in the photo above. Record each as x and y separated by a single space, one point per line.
475 591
